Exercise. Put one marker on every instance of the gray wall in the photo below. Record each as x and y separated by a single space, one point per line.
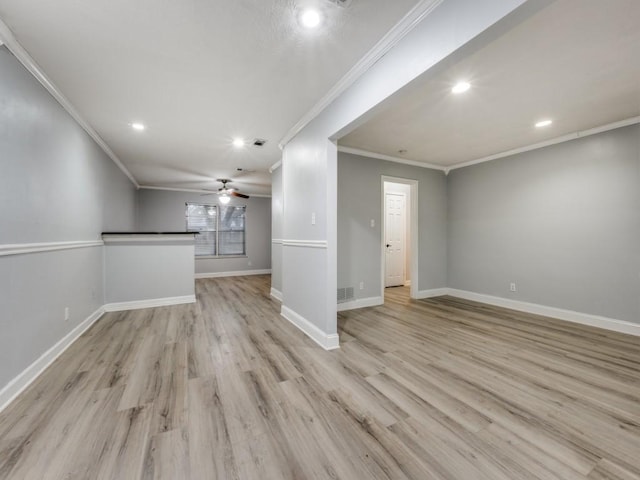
359 201
276 229
56 184
161 210
562 222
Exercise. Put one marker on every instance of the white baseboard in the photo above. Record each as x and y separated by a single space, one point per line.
16 386
434 292
153 302
277 294
559 313
360 303
328 342
237 273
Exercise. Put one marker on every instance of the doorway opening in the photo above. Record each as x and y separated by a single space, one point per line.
399 236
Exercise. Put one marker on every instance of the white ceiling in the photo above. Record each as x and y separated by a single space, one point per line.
197 73
575 61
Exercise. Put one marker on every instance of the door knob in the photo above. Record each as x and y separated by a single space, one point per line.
388 245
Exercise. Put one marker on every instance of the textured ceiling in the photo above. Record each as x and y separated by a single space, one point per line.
197 73
575 61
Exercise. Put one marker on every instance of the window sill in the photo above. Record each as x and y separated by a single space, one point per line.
218 257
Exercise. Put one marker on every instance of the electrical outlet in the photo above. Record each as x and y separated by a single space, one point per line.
66 314
373 223
249 263
512 286
361 285
313 218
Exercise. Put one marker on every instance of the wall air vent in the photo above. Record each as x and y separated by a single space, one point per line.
345 294
258 142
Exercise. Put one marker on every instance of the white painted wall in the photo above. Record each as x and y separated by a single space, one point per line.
310 158
56 185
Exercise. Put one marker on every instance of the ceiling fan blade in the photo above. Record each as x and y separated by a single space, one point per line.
238 194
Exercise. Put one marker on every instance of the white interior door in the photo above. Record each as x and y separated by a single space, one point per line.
395 205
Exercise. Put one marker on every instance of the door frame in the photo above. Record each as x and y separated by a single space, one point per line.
412 220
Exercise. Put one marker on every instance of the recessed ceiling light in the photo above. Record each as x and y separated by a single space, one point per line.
310 18
138 126
238 142
544 123
461 87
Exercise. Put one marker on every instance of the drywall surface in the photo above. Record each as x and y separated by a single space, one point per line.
56 185
164 211
277 203
562 223
359 202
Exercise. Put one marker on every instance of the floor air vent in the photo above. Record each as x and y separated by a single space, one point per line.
345 294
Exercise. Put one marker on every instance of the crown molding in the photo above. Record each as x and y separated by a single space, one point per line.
554 141
275 166
7 37
389 158
393 36
193 190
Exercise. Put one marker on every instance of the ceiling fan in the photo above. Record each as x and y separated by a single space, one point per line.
225 193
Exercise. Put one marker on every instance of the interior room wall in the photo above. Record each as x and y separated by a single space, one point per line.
277 201
310 162
56 185
359 201
164 211
561 222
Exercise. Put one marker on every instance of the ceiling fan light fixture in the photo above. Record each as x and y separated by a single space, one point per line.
224 199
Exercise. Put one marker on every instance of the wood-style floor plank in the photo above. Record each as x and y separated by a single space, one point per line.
440 389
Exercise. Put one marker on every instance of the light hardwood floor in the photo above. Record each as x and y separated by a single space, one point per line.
227 389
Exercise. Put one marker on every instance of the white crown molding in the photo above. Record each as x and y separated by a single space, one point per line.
29 374
192 190
389 158
236 273
360 303
554 141
305 243
6 36
393 36
328 342
275 166
22 248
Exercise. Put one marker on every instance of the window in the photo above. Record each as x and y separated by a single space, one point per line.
221 229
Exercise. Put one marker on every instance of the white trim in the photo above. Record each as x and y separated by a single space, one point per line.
434 292
153 302
276 241
305 243
276 294
30 64
275 166
16 386
389 158
194 190
553 312
328 342
22 248
407 283
546 143
361 303
393 36
237 273
146 238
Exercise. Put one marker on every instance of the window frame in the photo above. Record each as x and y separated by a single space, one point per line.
217 229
